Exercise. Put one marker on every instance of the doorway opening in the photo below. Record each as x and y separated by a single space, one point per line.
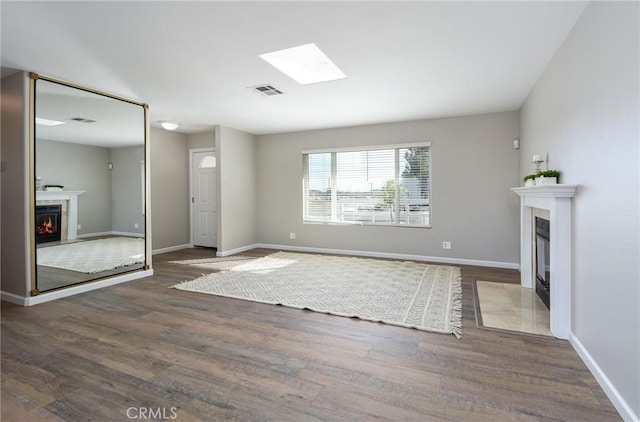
203 182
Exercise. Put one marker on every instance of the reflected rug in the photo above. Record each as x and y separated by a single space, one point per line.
93 256
403 293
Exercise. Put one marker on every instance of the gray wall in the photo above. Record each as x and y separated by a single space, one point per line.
79 167
584 113
126 188
237 189
14 150
201 140
113 198
473 167
169 189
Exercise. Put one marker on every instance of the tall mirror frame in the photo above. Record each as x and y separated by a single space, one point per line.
126 272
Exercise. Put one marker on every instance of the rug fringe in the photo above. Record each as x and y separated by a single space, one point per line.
456 307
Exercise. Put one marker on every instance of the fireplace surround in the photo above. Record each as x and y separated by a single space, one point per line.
557 200
69 201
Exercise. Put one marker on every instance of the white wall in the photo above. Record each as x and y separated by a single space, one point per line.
473 166
237 189
584 113
169 189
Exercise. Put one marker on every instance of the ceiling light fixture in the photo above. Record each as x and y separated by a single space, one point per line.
47 122
306 64
168 125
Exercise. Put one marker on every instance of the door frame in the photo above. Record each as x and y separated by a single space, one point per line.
192 152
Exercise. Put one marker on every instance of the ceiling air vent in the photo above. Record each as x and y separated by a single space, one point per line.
82 120
266 90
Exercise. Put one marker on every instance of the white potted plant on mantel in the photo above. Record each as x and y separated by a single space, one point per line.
547 177
529 180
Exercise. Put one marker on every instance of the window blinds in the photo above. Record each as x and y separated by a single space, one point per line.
368 186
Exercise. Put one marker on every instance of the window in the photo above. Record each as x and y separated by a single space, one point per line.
383 185
209 161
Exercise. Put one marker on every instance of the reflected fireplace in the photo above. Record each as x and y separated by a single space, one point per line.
542 261
48 223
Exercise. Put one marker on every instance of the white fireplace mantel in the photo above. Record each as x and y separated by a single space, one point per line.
557 199
64 195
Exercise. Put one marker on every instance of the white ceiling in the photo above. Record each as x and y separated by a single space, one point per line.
114 123
192 61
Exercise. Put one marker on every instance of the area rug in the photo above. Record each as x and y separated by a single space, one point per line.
93 256
217 263
408 294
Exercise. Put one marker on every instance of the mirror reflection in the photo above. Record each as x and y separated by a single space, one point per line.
90 185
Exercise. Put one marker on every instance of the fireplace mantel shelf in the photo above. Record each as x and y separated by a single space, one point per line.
548 191
48 195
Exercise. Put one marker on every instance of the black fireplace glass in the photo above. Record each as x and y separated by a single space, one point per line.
543 267
48 219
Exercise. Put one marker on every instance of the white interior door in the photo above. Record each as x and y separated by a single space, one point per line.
203 201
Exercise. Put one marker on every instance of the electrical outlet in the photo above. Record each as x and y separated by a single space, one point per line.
79 226
136 226
446 245
292 235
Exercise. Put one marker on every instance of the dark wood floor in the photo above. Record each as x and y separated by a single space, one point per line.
142 349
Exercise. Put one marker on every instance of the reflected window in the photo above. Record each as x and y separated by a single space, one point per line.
208 162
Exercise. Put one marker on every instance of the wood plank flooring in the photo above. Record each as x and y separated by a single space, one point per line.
140 350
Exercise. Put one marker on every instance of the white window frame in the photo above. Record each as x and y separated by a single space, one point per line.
334 151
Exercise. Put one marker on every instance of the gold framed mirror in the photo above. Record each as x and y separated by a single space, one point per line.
90 190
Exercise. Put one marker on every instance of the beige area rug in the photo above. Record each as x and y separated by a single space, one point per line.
93 256
407 294
217 263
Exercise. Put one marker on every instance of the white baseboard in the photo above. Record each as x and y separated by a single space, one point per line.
439 259
85 235
112 233
13 298
610 390
74 290
237 250
172 248
128 234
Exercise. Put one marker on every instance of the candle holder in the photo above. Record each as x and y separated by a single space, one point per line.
537 160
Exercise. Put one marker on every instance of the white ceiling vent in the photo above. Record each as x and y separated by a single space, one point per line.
266 90
82 120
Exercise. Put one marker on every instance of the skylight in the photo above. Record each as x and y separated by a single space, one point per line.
47 122
306 64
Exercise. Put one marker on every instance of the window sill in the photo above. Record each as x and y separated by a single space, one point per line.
361 224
